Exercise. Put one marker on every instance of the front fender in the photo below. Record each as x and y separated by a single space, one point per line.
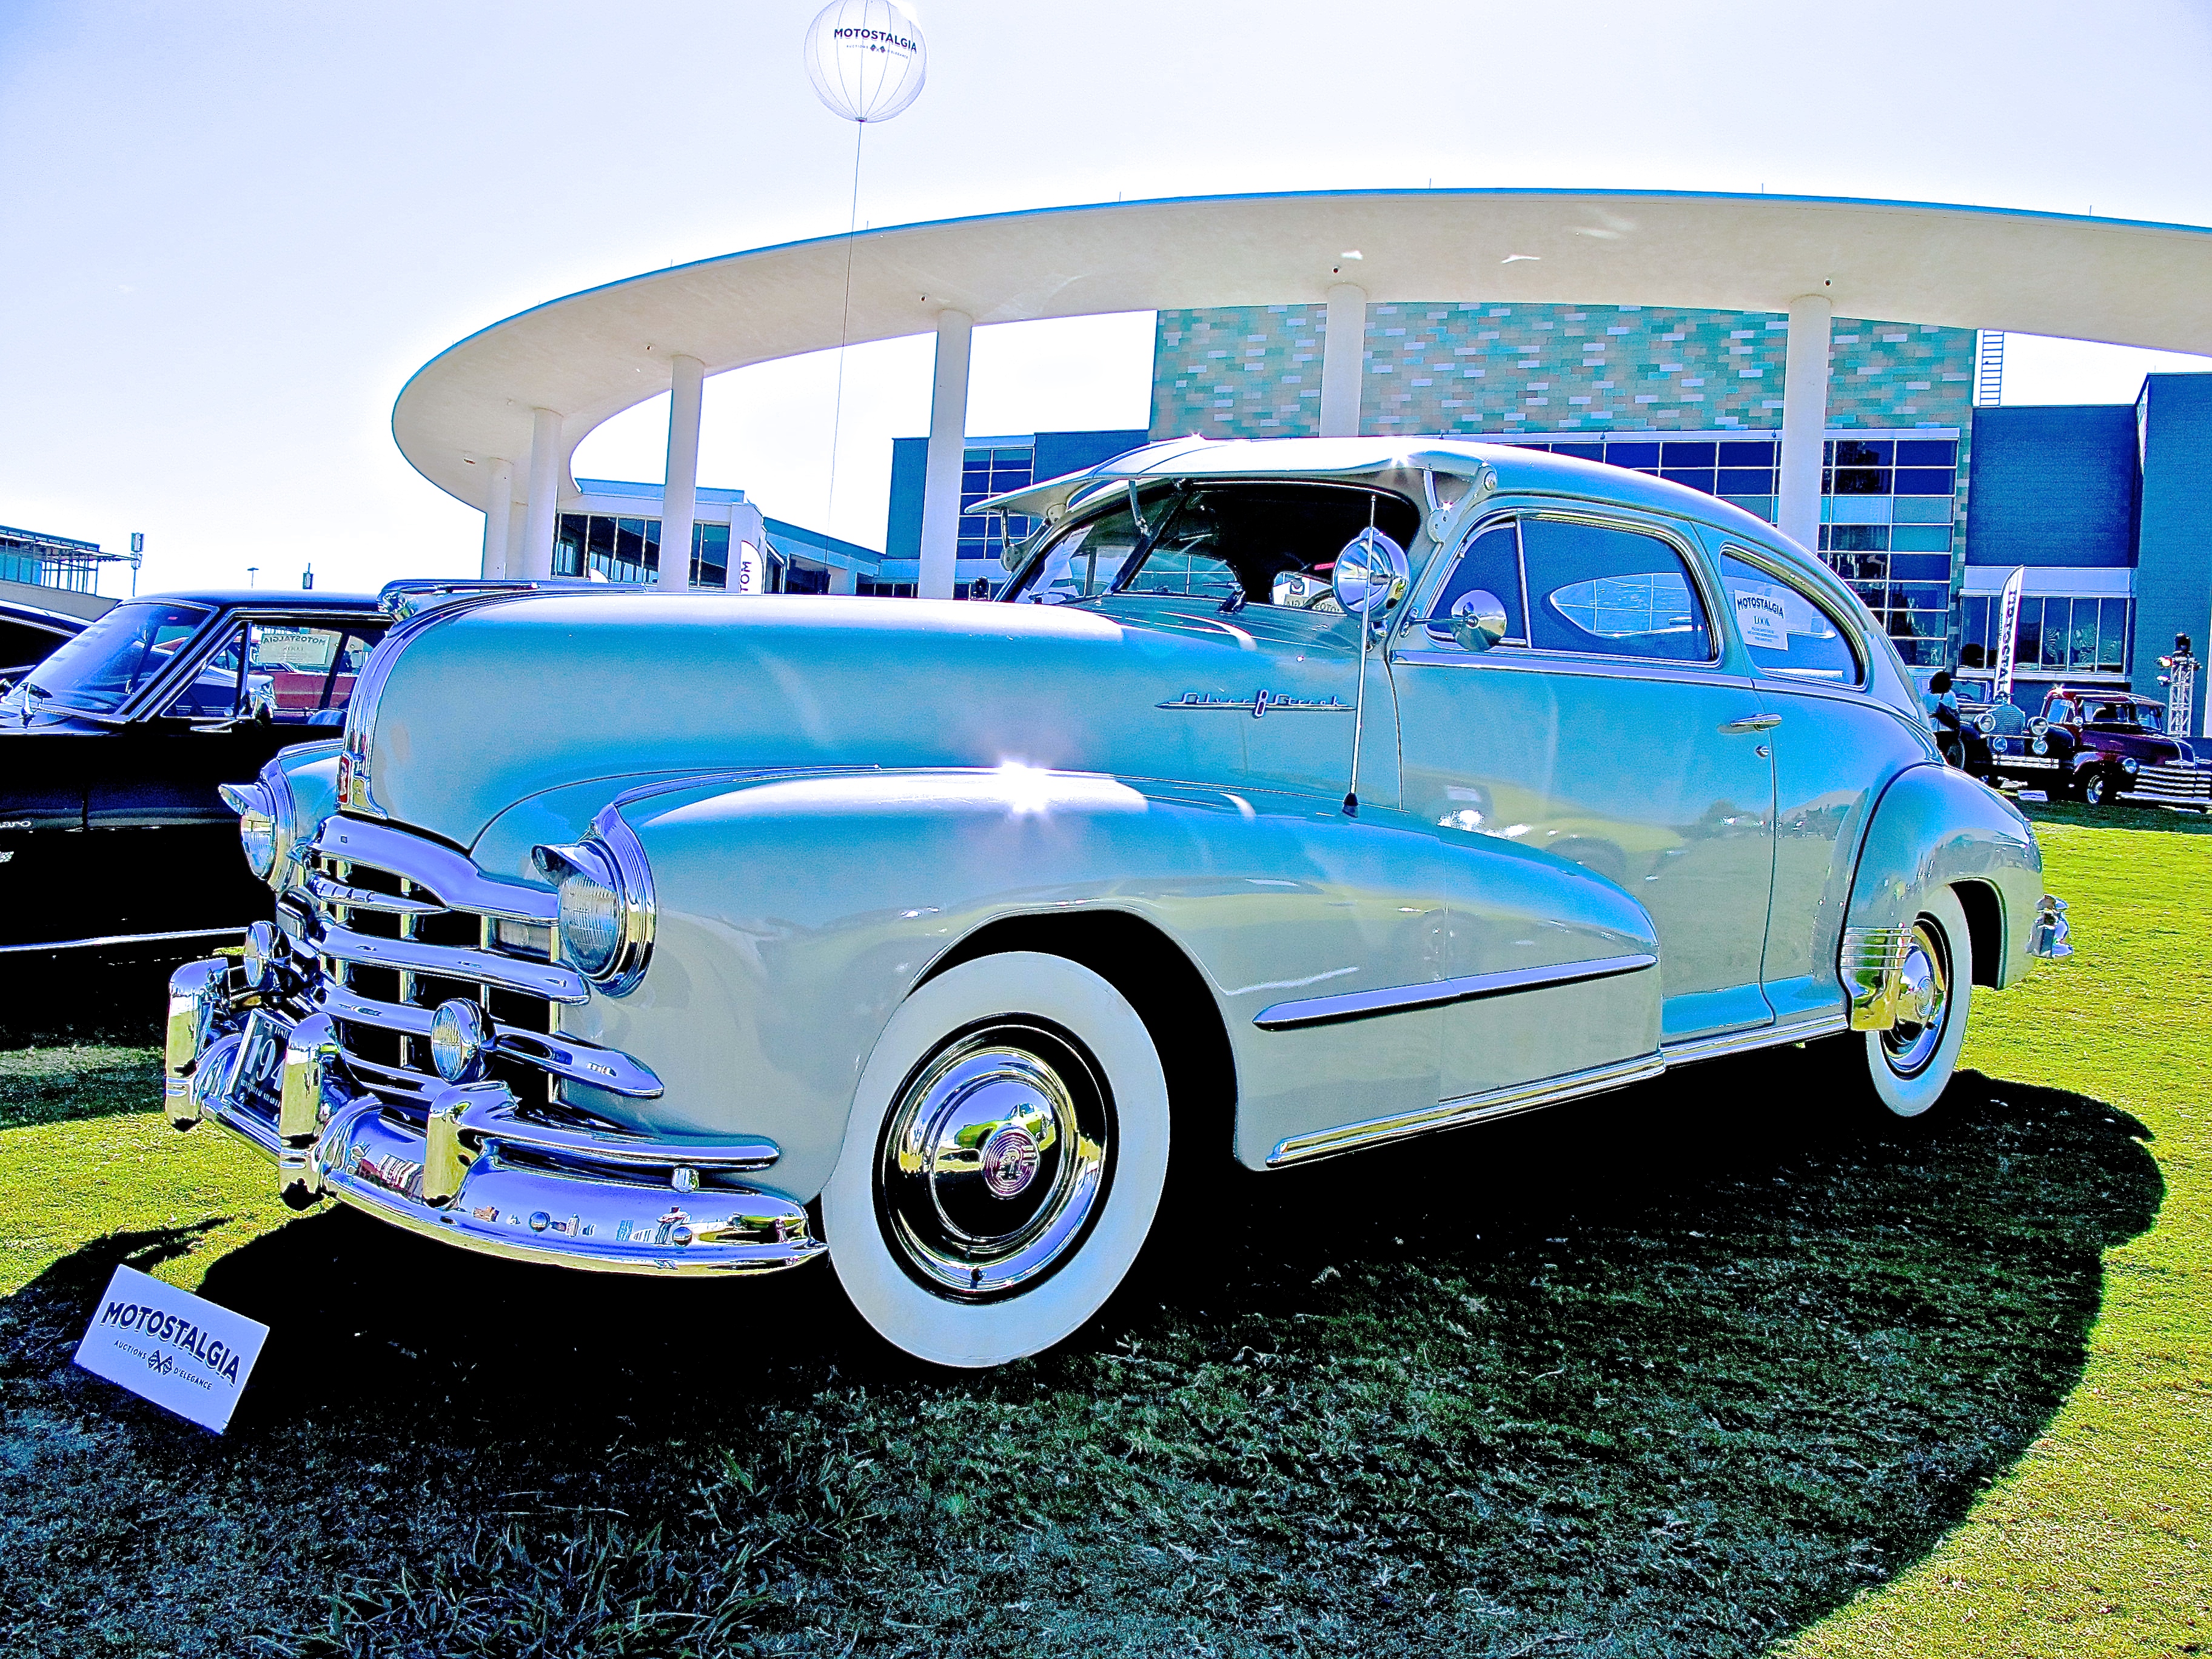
796 912
1933 827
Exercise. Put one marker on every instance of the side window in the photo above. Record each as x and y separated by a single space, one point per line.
1787 634
1191 557
299 674
214 693
1612 592
1085 560
1490 564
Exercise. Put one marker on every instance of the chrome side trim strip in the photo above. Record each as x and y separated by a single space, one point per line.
1758 1037
1402 998
444 871
565 1056
1470 1109
547 980
125 939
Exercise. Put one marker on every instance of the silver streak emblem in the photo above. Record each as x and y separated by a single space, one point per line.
1260 702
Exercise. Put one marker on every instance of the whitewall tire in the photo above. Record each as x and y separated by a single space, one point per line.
1003 1163
1911 1065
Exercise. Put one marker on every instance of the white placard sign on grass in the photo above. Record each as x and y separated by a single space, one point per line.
179 1350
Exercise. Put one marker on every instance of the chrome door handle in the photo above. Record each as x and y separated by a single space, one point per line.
1750 723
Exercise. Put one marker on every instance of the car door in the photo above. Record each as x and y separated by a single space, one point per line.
1834 747
165 840
1600 729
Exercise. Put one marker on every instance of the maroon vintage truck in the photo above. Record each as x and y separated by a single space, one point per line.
2098 746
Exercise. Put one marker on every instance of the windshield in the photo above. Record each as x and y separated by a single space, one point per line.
1258 543
2145 716
97 670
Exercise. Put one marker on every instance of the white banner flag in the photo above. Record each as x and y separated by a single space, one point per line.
2008 631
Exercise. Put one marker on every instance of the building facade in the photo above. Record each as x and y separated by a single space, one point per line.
990 466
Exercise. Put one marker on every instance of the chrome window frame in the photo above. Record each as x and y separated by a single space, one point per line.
1702 575
1759 559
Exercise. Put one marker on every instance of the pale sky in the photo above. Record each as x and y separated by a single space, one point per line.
235 229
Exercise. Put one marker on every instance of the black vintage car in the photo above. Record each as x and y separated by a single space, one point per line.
113 841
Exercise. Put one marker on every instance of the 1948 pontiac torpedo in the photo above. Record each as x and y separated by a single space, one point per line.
1303 795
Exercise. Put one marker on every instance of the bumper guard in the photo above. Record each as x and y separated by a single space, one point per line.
483 1172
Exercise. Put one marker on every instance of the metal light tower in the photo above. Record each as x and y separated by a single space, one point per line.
2180 680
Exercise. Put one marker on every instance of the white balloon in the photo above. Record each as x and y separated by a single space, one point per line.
865 58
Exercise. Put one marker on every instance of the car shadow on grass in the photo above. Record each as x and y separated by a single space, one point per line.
1676 1371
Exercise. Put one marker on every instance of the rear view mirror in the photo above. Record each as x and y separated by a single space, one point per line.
1369 574
1478 620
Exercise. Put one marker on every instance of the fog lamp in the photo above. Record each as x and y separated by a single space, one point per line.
460 1040
2041 745
263 958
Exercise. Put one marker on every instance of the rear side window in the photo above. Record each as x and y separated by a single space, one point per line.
1787 635
1595 589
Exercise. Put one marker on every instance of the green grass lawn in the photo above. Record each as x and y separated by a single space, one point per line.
1699 1368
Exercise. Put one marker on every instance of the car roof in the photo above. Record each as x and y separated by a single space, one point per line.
265 598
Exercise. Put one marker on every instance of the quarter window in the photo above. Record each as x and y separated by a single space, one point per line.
1490 564
1787 634
1601 591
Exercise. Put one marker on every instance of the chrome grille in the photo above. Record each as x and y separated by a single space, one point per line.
2181 785
395 925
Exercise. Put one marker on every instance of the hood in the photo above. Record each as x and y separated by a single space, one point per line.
479 709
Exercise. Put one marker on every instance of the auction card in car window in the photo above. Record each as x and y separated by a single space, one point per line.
179 1350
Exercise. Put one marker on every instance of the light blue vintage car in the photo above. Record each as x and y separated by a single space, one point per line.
1301 796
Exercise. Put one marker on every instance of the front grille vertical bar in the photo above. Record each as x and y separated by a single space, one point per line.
407 984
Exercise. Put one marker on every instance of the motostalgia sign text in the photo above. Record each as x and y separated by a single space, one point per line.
177 1349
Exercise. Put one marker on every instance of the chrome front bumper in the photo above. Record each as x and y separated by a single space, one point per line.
482 1171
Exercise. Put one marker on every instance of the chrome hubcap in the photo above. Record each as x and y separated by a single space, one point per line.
1923 998
994 1160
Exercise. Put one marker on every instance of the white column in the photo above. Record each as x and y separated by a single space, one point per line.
1804 418
948 454
545 458
843 579
1343 361
679 491
499 508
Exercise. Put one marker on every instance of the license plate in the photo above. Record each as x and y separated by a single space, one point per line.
259 1079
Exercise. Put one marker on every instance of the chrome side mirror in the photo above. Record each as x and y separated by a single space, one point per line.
1370 574
1478 620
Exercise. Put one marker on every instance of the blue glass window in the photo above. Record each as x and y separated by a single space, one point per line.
1696 477
1919 567
1632 455
1861 481
1864 451
1581 452
1748 454
1925 480
1927 451
1688 455
1857 537
1920 538
1743 481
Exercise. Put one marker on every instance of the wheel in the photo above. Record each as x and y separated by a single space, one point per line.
1005 1158
2097 788
1909 1066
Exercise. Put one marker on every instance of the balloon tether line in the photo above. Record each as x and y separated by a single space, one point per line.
844 325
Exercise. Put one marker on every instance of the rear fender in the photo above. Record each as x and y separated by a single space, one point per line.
1934 827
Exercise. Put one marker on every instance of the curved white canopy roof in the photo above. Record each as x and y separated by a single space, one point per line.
593 355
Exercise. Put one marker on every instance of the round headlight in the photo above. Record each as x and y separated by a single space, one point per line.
590 922
1985 723
2041 745
460 1040
2130 764
604 918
